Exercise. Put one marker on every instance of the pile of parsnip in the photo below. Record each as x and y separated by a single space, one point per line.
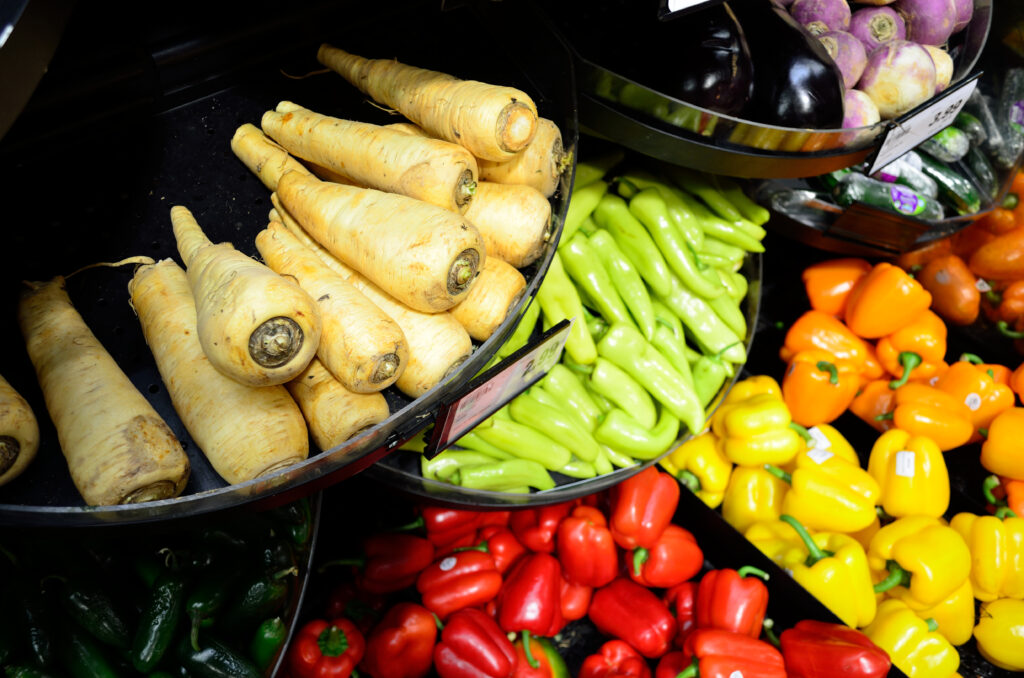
388 250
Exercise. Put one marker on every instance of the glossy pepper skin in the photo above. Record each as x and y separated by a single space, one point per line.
633 613
951 283
832 497
817 649
673 559
883 301
531 598
915 351
824 446
729 600
924 410
756 431
998 633
779 541
446 526
549 663
721 654
954 614
472 646
641 507
575 600
828 283
817 387
393 562
536 528
700 465
326 648
559 300
402 644
753 495
503 546
997 554
929 558
816 330
586 549
615 659
464 579
911 473
913 647
682 602
874 404
977 389
1001 258
1000 453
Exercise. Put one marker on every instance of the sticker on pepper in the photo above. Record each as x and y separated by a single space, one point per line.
819 440
905 463
906 201
973 401
819 456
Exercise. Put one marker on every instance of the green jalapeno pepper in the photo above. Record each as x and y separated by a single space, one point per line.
267 641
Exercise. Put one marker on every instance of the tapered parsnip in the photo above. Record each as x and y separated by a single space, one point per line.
514 220
495 293
539 165
245 432
265 158
19 433
334 413
410 128
491 121
255 326
118 448
424 256
438 344
431 170
360 345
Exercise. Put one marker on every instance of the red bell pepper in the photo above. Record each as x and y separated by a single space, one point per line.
402 644
472 646
586 549
672 664
722 654
390 562
575 600
729 600
549 663
628 611
445 526
816 649
502 545
642 506
499 518
615 659
323 649
682 602
530 600
464 579
673 559
349 601
536 528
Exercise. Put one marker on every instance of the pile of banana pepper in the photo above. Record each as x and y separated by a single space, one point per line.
648 268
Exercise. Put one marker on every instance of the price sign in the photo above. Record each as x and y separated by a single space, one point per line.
489 392
926 121
673 9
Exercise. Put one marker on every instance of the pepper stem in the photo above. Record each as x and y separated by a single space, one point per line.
437 621
909 360
689 480
530 659
932 624
897 577
778 473
833 372
409 527
971 358
750 569
1005 512
815 552
991 483
1004 329
804 433
482 546
769 631
332 641
690 671
884 416
640 557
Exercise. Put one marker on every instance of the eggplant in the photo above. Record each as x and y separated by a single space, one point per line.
796 83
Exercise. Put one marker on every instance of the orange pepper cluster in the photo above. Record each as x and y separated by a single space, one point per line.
872 343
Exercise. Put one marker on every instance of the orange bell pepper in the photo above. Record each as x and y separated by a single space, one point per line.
977 389
1011 302
1002 258
872 368
966 241
924 410
828 283
817 387
915 260
915 351
819 330
1001 451
998 221
953 287
874 404
883 301
1017 381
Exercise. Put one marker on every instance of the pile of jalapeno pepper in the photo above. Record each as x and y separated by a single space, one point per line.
648 267
211 601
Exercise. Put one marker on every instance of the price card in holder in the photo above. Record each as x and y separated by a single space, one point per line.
489 392
924 122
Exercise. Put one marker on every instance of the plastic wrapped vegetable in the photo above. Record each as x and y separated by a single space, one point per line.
859 188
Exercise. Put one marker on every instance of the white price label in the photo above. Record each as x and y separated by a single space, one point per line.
448 563
680 5
973 401
982 286
819 456
905 463
933 118
735 674
819 440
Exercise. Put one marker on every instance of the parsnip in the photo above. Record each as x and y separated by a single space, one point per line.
514 221
539 165
118 448
496 292
334 413
245 432
265 158
19 433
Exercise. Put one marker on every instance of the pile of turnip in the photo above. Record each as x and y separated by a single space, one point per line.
891 53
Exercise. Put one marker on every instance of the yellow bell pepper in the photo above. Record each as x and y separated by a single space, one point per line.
1000 633
954 615
836 573
997 554
823 445
913 644
834 497
779 541
752 386
1000 453
756 431
753 495
700 465
911 473
864 536
920 552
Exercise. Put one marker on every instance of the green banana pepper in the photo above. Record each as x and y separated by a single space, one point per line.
559 300
521 334
717 227
585 269
595 168
471 441
729 311
578 468
678 211
443 466
504 476
642 99
708 377
730 253
566 388
617 458
527 409
524 442
623 391
623 433
627 281
626 347
581 205
602 464
613 215
736 290
733 192
699 185
708 329
675 350
665 316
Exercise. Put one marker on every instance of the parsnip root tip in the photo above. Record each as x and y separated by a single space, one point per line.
516 126
162 489
386 369
463 271
275 342
10 448
465 188
454 366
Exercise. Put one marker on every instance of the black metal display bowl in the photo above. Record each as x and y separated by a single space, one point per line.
136 117
402 469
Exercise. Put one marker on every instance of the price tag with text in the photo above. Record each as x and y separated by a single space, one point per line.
925 122
489 392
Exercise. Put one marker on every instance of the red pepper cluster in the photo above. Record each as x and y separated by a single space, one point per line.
485 577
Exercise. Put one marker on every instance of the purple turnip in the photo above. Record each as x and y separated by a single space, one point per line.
849 54
929 22
899 76
821 16
859 110
964 12
876 26
943 66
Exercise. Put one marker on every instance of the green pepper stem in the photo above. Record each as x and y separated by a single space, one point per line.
993 297
971 358
1004 329
909 360
409 527
718 356
437 621
897 577
193 634
778 473
690 671
689 480
528 651
983 432
932 624
833 371
815 553
640 557
750 569
991 483
769 631
482 546
884 416
1004 512
804 433
332 641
